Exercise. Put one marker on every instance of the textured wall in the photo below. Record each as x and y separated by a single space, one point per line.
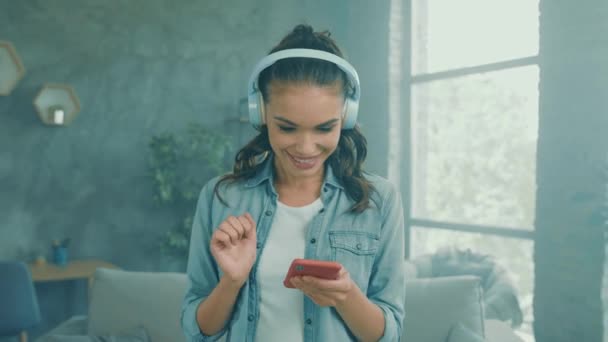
367 47
139 67
572 149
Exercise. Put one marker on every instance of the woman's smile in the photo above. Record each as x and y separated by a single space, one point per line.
303 163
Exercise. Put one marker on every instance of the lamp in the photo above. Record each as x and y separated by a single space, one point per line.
57 104
57 114
11 68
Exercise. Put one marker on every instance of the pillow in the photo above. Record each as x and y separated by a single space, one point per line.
410 270
122 300
459 333
137 335
434 305
498 331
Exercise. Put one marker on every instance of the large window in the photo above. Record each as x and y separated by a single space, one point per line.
473 119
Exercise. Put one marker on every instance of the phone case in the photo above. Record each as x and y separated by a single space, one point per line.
315 268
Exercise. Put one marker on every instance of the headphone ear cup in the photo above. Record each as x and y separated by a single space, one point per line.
350 114
255 112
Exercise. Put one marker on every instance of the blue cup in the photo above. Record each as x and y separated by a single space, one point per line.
60 255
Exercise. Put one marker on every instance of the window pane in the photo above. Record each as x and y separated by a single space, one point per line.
455 34
474 148
515 255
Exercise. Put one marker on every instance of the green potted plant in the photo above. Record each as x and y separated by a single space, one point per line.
180 164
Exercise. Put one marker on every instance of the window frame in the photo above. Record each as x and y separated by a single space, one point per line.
407 167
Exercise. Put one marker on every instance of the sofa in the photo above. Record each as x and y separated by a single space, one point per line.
145 306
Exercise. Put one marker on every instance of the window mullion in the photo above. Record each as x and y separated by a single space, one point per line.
521 233
452 73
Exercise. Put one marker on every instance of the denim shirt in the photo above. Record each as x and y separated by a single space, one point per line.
370 245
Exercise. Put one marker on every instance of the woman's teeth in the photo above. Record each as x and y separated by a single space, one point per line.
304 161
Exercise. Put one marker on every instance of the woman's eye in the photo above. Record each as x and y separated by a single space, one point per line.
286 128
326 129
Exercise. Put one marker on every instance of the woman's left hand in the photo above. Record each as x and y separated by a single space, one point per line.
326 292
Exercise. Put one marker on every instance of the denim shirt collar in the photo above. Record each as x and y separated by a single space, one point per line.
266 173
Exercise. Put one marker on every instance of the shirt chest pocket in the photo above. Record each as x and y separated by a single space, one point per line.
356 251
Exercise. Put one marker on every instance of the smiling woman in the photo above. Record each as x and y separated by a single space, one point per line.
303 129
298 191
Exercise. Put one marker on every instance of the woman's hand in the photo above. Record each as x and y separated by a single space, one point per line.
326 292
233 245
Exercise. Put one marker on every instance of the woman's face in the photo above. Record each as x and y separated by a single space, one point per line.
304 123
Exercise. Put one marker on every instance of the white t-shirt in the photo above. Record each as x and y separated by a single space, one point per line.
282 309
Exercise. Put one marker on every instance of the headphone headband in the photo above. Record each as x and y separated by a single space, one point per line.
254 94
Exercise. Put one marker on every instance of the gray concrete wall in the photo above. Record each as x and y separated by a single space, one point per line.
367 47
571 177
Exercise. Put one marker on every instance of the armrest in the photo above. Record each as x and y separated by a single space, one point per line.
498 331
434 305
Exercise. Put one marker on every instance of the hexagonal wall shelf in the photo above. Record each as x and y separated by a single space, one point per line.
57 104
11 68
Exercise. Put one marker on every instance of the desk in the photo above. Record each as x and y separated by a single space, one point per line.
76 269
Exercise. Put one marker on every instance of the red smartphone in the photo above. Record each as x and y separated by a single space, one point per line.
315 268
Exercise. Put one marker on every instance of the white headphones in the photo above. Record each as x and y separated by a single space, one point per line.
256 105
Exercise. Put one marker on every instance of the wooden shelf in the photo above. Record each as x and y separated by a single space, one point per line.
11 68
77 269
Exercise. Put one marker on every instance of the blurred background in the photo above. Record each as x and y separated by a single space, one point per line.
490 116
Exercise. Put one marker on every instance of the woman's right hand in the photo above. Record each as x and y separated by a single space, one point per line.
233 245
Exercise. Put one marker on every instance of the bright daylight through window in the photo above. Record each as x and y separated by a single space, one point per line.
473 118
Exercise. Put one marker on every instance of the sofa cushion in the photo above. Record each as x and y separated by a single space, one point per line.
411 271
460 333
434 305
137 335
498 331
124 300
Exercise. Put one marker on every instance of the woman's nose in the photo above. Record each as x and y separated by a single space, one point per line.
306 145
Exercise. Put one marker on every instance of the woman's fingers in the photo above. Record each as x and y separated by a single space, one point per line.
320 298
237 225
221 237
246 224
319 285
251 221
227 228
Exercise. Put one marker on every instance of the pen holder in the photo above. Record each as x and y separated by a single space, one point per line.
60 255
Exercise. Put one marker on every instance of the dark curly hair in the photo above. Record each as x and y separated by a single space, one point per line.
348 158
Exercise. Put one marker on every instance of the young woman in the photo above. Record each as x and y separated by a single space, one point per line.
298 190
